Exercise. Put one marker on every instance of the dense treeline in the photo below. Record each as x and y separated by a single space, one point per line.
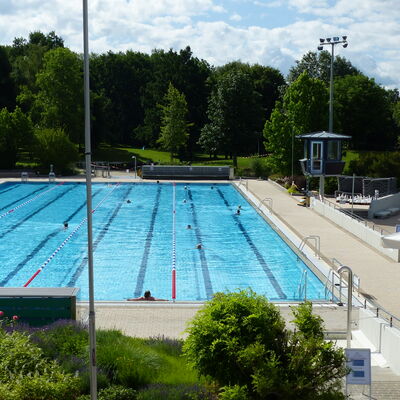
137 99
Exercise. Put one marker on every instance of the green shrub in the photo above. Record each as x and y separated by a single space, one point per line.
175 392
260 167
240 339
113 393
125 360
54 147
235 392
25 374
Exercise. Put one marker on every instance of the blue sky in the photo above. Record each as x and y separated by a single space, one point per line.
269 32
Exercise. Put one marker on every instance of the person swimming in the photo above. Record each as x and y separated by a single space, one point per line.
189 226
238 211
65 224
199 246
147 297
128 201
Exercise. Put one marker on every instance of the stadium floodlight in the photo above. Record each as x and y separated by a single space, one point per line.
326 42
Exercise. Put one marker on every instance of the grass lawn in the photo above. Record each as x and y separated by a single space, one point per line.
106 152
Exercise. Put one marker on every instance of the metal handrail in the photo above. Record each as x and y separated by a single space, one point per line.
265 199
367 223
317 244
302 286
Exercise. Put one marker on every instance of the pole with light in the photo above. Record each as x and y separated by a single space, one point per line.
332 42
88 159
134 157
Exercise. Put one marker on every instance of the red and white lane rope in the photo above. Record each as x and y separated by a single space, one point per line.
30 200
174 242
67 239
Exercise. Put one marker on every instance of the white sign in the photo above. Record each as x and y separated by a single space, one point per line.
359 360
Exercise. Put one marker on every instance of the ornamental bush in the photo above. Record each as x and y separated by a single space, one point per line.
52 146
240 339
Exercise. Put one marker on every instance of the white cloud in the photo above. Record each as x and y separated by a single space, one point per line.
142 25
235 17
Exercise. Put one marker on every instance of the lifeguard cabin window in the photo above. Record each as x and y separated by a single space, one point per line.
334 150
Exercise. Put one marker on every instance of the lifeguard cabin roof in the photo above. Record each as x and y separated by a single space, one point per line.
323 135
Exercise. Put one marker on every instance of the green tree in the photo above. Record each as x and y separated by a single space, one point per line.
232 111
174 135
189 75
54 147
15 131
304 109
240 340
364 110
267 84
7 88
59 100
318 65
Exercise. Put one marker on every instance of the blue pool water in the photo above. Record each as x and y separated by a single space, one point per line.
133 241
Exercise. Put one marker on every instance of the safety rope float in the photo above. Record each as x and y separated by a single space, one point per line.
67 239
173 242
30 200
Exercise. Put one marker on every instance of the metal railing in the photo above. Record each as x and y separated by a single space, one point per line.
270 201
317 244
302 286
365 222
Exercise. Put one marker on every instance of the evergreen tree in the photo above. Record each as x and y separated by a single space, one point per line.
174 135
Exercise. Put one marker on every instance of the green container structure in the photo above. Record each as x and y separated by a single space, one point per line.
39 306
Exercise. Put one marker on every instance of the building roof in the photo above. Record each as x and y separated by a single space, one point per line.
323 135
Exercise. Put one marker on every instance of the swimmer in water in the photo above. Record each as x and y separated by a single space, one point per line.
189 227
237 212
184 200
65 224
199 246
128 201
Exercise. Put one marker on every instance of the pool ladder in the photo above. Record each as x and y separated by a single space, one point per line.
334 281
317 244
302 286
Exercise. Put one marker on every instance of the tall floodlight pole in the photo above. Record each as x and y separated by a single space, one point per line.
88 159
332 42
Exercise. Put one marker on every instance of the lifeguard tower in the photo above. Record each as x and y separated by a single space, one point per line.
322 155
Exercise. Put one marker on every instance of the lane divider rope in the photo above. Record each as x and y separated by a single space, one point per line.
174 242
30 200
67 239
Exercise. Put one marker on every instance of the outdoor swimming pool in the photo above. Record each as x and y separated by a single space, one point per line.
133 241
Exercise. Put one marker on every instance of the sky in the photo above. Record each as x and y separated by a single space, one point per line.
269 32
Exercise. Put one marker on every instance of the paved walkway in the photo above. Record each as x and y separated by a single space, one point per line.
379 275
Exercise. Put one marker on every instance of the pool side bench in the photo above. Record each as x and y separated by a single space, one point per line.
38 306
186 172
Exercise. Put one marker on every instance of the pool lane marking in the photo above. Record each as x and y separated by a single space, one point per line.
30 200
67 239
22 198
143 265
7 189
14 272
37 211
203 259
99 238
257 253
